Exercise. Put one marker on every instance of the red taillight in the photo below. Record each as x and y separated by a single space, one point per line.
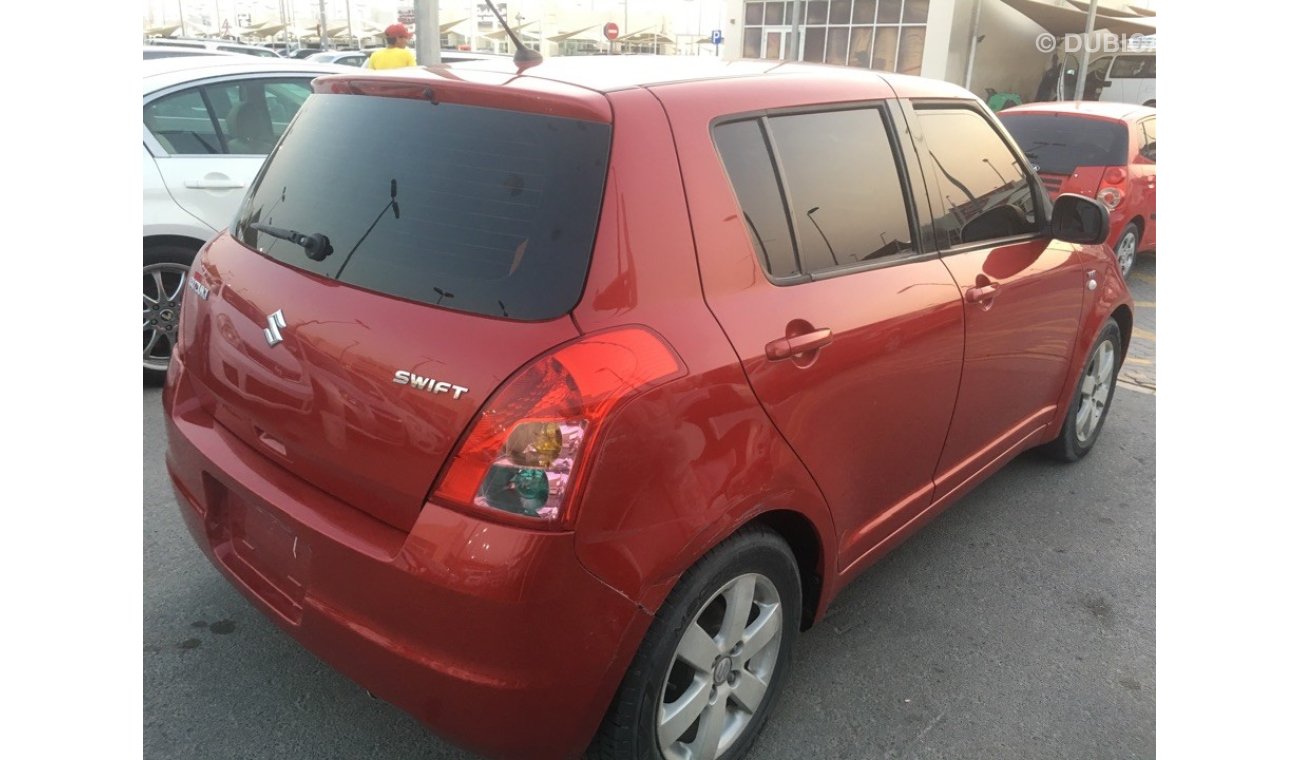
1111 192
525 452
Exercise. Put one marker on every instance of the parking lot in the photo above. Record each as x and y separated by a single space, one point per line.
1140 366
1019 624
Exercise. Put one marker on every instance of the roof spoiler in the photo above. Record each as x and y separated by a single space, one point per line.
525 57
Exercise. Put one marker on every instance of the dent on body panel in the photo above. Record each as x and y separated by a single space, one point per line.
678 468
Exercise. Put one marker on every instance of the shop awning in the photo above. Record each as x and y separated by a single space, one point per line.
1102 10
1060 20
166 30
501 34
570 35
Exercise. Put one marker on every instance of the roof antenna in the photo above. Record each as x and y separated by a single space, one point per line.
525 57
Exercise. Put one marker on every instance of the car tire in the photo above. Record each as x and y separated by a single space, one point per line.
1092 397
1126 248
165 268
700 673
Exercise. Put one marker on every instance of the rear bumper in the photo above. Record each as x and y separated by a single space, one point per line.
493 636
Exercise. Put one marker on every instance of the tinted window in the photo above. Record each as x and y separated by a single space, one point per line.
846 198
842 194
749 165
982 191
1134 67
476 209
255 113
182 124
1058 143
1148 131
241 117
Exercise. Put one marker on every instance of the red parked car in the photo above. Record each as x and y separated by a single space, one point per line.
551 406
1105 151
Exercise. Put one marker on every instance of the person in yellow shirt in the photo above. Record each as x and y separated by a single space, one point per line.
396 55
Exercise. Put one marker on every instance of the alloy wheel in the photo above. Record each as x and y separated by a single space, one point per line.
1126 252
164 284
721 670
1095 391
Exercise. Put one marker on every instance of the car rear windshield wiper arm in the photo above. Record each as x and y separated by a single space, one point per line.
316 245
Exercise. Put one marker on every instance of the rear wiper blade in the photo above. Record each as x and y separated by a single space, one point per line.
316 245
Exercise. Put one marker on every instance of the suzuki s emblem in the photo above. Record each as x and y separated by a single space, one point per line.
273 324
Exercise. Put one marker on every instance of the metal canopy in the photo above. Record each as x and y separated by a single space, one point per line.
1061 20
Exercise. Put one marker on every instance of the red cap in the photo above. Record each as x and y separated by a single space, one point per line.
397 30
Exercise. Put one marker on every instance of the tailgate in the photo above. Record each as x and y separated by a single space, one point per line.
328 400
1084 180
395 260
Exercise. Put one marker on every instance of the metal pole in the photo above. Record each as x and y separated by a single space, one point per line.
181 8
324 38
1082 78
699 24
428 44
351 36
795 33
974 41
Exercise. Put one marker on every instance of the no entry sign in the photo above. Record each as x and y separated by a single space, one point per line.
611 31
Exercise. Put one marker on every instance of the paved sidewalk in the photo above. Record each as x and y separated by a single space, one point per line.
1140 366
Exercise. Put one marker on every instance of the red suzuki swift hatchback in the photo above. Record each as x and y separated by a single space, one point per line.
1101 150
551 406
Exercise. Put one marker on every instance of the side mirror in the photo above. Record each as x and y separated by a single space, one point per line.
1078 219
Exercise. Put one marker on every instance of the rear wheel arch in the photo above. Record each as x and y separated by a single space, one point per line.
1124 318
1140 223
154 241
800 534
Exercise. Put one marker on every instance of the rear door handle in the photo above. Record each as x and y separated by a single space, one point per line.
982 293
213 184
784 348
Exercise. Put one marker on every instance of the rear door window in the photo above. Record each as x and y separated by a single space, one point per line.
746 155
483 210
231 117
981 190
820 191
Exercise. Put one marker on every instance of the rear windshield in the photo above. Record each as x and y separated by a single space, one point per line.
1058 144
481 210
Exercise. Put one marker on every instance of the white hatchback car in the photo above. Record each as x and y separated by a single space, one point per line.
209 123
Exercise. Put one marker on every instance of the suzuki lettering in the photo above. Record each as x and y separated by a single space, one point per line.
273 324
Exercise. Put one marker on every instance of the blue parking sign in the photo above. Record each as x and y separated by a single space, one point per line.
716 37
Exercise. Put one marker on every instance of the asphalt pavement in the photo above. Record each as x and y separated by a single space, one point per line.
1019 624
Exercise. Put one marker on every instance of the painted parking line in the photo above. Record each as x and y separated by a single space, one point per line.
1149 279
1121 383
1138 332
1145 304
1136 360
